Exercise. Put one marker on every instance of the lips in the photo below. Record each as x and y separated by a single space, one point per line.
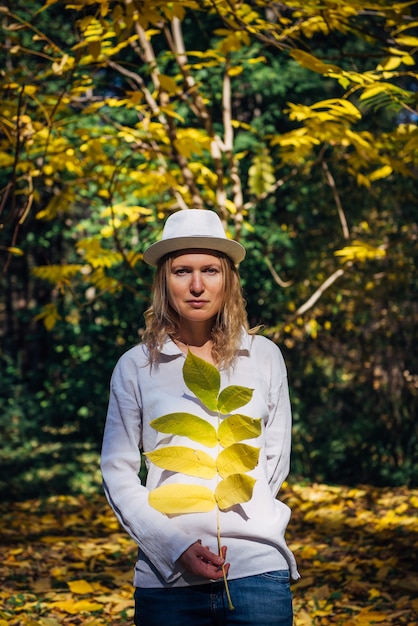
196 304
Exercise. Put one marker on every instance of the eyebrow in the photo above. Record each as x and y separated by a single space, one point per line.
186 266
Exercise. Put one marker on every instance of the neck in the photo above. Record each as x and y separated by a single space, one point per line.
197 338
195 334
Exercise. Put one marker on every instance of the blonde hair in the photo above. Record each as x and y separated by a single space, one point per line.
161 319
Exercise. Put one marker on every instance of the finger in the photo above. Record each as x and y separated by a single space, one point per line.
207 570
210 557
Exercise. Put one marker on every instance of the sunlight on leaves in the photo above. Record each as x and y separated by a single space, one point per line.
233 397
237 458
235 489
237 428
203 380
186 425
178 499
184 460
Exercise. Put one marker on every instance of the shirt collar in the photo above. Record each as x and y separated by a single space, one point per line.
170 348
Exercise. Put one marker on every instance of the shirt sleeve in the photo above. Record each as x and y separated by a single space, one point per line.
157 535
279 424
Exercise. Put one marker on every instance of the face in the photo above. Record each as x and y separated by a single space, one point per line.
196 286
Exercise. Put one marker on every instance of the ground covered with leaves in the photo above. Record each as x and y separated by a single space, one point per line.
65 561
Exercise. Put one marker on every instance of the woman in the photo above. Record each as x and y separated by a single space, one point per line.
180 574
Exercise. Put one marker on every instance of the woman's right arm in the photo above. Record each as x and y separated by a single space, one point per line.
157 535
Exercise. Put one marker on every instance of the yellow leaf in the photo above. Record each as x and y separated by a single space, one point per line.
184 460
15 251
257 60
331 110
186 425
59 202
414 501
312 63
359 251
408 59
390 63
167 83
401 508
171 113
103 282
73 608
235 71
49 314
233 397
303 618
94 48
56 273
6 159
203 379
187 146
178 499
308 552
238 428
236 459
133 258
366 617
97 256
370 92
80 586
407 40
235 489
261 176
375 593
339 107
382 172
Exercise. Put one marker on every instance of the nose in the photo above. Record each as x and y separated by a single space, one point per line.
196 283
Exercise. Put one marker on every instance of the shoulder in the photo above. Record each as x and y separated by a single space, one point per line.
264 344
267 352
134 358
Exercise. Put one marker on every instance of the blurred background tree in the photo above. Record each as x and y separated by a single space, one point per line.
297 123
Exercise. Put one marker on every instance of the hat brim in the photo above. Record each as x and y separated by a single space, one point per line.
157 250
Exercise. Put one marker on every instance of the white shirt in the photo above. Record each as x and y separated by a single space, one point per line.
253 531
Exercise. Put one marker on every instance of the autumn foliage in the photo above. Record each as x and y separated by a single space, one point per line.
65 561
297 123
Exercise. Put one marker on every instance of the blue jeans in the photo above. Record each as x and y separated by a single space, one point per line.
263 600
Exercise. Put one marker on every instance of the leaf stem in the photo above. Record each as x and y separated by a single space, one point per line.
228 595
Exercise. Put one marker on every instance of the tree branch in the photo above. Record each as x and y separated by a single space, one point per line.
318 293
277 279
341 214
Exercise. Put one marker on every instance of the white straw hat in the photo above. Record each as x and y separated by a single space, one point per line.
193 229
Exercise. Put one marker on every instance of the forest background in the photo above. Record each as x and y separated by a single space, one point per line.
297 123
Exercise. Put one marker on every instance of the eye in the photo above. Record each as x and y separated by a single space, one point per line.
180 271
212 270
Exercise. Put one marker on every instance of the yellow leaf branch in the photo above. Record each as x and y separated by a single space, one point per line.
231 464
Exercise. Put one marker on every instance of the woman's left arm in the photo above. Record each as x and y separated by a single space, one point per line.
279 424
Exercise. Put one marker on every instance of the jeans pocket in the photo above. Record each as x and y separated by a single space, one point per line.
280 576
